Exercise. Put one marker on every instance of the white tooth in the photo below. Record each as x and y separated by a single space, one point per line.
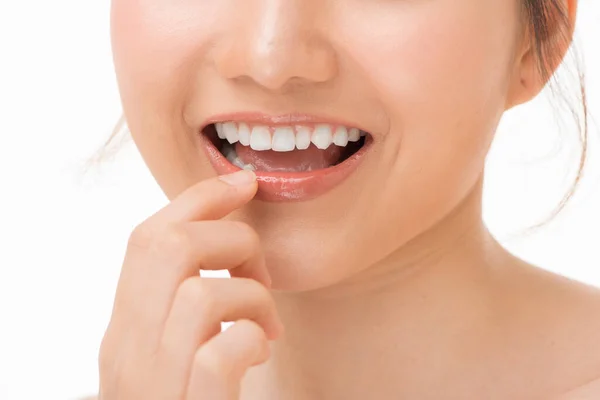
231 155
260 138
284 139
231 132
238 163
363 133
353 135
321 137
219 128
244 134
302 137
340 137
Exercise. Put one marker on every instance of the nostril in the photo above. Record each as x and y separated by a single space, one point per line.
277 64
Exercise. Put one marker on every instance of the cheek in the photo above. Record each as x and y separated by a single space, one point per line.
155 47
444 91
450 59
441 71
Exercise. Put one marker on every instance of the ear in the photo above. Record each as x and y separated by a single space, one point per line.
527 79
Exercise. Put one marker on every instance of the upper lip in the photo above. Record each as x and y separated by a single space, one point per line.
278 120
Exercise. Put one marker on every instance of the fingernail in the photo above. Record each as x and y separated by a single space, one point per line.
240 178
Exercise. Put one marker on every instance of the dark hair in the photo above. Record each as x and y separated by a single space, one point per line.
548 24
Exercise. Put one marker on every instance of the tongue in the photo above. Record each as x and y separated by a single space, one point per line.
289 161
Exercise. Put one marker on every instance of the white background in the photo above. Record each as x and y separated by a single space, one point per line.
63 233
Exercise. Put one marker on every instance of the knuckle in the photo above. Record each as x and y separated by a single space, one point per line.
208 361
197 294
265 305
173 244
259 292
175 238
254 340
253 331
141 236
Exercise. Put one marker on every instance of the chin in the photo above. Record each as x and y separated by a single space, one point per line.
306 262
302 274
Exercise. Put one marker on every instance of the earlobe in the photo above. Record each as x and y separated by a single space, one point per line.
531 74
525 80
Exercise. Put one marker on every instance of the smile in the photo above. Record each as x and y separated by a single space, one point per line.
294 158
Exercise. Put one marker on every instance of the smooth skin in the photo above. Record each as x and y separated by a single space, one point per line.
163 341
390 285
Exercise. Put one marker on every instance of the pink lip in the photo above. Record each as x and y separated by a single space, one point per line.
286 186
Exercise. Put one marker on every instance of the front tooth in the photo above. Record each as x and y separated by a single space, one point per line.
284 139
219 128
353 135
302 137
260 138
244 134
363 133
340 138
231 132
322 137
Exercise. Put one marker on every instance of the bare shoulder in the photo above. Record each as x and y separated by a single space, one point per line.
559 320
570 306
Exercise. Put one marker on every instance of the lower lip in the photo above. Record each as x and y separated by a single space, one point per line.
290 186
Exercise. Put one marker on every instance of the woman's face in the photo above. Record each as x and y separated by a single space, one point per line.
427 79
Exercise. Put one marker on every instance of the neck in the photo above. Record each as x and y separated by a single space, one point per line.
392 317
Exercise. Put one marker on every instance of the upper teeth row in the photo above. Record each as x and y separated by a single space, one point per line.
287 138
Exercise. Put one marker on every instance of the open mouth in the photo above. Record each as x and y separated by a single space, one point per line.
293 149
291 162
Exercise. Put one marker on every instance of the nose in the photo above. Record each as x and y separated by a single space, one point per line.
277 44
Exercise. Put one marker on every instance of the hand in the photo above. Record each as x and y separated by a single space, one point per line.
164 339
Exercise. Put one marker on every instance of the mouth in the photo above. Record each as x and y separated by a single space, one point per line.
292 162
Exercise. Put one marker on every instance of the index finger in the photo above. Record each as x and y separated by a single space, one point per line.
210 199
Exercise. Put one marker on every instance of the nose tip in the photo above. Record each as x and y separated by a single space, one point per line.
277 53
279 68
